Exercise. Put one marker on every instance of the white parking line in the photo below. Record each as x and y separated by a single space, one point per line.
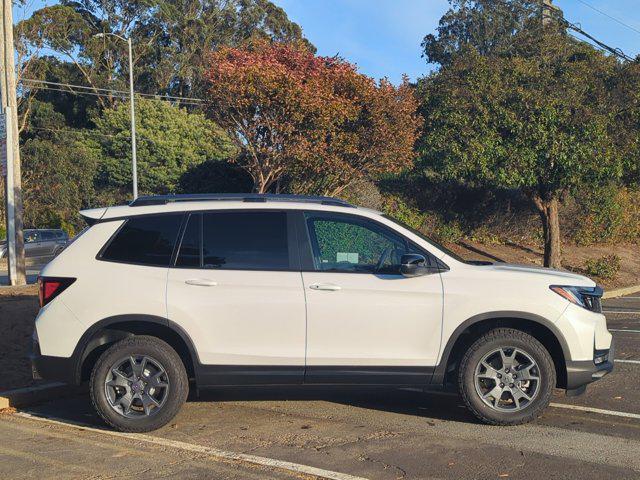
596 410
623 330
213 452
636 312
636 362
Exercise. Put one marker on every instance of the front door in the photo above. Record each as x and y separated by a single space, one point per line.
236 289
366 323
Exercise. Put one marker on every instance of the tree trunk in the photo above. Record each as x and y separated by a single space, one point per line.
548 210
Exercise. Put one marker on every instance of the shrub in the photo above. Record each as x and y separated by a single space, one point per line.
606 267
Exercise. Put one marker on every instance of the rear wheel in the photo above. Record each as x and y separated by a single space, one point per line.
507 377
138 384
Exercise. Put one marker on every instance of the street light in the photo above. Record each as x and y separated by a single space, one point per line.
134 165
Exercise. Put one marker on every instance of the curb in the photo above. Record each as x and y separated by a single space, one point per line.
620 292
24 397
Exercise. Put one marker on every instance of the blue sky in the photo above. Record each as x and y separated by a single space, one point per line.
383 36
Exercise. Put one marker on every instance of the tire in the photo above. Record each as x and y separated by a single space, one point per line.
157 376
506 353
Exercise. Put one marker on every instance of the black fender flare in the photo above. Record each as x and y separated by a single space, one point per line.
440 370
100 334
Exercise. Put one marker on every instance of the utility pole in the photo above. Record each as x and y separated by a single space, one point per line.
134 160
11 151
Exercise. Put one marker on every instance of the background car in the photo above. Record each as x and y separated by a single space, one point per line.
40 243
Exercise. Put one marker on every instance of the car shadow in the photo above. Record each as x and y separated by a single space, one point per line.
410 402
77 410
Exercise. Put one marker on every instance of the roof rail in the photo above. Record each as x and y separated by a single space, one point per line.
237 197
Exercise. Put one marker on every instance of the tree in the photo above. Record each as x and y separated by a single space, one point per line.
294 115
488 27
170 141
539 124
168 37
58 171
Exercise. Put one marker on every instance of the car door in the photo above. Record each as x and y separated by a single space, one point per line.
236 289
32 243
366 323
48 242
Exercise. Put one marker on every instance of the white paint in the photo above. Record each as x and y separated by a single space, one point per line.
626 312
623 330
596 410
634 362
189 447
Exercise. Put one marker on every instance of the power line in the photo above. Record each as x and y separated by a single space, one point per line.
191 100
613 50
609 16
115 93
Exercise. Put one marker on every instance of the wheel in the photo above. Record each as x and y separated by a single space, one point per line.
138 384
506 377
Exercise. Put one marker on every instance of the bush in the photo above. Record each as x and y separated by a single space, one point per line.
605 268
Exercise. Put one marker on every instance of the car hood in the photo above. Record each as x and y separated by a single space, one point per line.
560 277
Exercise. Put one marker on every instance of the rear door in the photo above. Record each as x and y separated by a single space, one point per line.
32 243
236 289
366 323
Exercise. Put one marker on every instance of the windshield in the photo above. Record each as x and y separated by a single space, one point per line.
435 244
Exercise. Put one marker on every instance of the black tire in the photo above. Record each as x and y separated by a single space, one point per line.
506 338
176 379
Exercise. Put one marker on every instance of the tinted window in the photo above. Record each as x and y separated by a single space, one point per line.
31 236
245 240
145 240
189 254
343 244
46 235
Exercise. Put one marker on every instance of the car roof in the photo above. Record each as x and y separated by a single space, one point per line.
184 203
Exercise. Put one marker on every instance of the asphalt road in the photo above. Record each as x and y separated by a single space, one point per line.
371 434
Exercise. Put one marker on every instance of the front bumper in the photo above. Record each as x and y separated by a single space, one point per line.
581 373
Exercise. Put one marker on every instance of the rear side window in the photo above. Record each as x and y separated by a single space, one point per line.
145 240
46 235
236 241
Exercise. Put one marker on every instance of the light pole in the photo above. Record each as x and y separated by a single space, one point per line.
134 164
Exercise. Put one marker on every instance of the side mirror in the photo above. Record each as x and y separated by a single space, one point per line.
413 265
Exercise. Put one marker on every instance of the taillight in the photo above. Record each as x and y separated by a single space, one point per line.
51 287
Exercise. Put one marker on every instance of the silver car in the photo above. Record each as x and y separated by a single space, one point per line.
40 243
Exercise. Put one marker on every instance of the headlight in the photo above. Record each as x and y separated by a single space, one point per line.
585 297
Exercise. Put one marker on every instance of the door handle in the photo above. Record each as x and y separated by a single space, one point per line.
331 287
202 282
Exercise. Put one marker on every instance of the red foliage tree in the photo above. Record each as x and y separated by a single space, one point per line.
313 120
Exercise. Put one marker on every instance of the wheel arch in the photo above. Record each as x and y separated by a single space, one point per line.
468 331
112 329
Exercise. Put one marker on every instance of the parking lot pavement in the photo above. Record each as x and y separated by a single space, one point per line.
374 434
31 449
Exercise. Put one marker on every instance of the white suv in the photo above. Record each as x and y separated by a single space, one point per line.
222 290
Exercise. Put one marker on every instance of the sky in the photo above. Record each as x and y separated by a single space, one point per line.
383 37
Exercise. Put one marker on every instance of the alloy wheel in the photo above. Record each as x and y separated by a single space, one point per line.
507 379
137 386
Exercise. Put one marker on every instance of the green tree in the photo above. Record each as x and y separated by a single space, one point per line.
58 171
488 27
170 141
537 123
170 39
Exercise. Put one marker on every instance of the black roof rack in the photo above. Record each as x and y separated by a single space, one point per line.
237 197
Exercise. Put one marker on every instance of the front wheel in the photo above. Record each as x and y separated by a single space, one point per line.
507 377
138 384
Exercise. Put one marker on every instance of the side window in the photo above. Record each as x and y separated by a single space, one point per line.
47 236
343 244
31 236
245 241
189 254
145 240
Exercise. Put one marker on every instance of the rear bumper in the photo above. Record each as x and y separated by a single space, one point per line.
581 373
55 369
